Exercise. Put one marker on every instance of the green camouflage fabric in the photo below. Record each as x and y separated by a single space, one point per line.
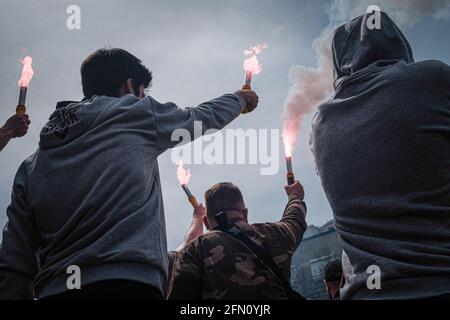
215 266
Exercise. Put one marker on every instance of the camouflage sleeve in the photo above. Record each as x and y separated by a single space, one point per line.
293 223
185 283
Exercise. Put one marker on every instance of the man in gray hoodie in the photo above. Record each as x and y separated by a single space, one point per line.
382 150
87 208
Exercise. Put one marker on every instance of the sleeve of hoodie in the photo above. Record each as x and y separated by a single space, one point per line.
18 263
214 114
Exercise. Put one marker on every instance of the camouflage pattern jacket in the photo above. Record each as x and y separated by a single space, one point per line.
216 266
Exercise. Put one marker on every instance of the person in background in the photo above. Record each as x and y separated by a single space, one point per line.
236 260
332 277
16 126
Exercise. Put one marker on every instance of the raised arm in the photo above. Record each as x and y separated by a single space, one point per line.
293 221
196 227
214 114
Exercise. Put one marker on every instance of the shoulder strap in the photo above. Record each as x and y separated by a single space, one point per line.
239 235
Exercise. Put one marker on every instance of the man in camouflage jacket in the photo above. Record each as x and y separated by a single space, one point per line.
217 266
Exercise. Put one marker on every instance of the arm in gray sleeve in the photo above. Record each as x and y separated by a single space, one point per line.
18 263
214 114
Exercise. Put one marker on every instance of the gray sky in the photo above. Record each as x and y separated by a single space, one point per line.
195 51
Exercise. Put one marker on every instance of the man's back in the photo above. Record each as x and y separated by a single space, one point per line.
382 150
90 196
92 193
217 266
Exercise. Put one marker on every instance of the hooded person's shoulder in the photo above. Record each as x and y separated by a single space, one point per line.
430 71
435 67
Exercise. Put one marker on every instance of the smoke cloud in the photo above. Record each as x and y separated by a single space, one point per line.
405 12
311 86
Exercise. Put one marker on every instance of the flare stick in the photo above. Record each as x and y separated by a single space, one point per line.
191 198
21 109
290 175
24 81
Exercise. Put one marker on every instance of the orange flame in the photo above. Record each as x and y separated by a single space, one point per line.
183 175
27 72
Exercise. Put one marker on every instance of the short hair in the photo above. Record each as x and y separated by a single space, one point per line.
223 196
104 71
333 271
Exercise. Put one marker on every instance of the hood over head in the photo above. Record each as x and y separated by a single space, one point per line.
355 46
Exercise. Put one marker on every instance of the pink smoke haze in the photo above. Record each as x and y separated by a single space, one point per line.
27 72
309 87
251 64
255 50
183 175
289 137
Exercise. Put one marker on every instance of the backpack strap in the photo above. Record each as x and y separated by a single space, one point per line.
239 235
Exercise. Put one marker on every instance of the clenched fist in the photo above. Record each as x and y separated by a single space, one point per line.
17 125
251 99
296 189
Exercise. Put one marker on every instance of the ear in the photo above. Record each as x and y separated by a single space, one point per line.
129 85
245 214
126 88
206 222
141 92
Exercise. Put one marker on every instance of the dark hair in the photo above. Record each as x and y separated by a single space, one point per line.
333 271
104 71
222 197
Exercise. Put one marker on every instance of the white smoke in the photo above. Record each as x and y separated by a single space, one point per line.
404 12
311 86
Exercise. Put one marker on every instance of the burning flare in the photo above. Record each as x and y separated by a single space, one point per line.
184 176
309 87
251 65
27 72
24 81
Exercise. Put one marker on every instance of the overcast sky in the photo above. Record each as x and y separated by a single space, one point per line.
195 50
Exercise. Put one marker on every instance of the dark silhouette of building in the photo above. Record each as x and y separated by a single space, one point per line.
320 245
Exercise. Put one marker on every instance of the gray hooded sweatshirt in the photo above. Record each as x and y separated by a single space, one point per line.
382 151
90 196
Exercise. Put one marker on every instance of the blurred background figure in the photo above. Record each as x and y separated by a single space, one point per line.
332 276
14 127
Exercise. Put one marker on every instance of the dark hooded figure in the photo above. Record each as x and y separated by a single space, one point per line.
382 151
